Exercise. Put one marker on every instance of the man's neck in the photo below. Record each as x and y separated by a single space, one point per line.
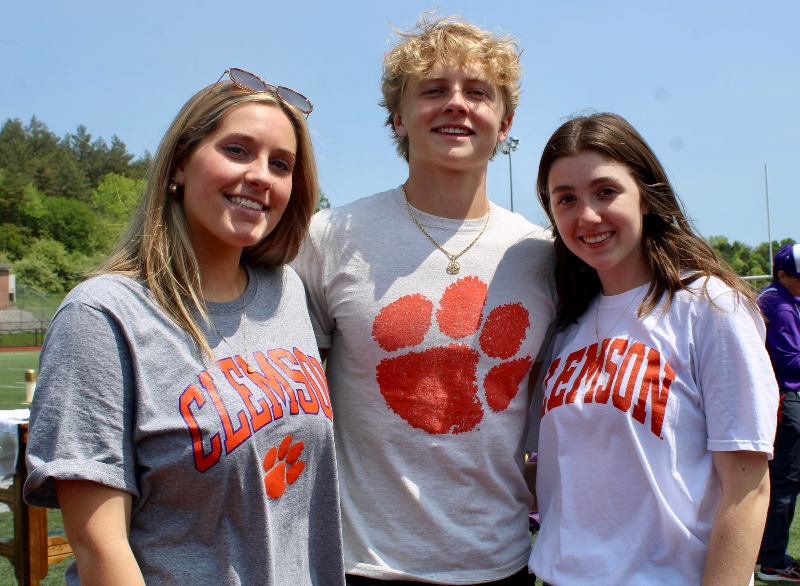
459 196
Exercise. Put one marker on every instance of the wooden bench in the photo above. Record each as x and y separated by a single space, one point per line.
32 550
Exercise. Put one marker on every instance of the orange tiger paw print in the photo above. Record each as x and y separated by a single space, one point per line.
283 466
436 389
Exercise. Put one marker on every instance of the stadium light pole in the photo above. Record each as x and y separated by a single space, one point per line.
509 146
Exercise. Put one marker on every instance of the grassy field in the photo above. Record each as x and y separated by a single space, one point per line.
12 393
55 576
12 377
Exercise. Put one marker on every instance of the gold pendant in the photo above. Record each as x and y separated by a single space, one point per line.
250 369
453 267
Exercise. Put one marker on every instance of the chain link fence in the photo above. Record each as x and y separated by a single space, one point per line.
26 321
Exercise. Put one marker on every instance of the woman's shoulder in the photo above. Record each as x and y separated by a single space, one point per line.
110 294
709 289
105 287
714 301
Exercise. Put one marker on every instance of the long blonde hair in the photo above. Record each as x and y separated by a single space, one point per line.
157 247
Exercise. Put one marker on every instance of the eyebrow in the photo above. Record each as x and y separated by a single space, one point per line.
441 79
592 183
240 135
243 136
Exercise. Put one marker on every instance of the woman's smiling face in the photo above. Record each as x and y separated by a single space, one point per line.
237 182
598 210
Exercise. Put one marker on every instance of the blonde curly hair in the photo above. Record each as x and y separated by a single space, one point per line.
451 41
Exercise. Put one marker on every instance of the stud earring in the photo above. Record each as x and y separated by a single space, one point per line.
173 190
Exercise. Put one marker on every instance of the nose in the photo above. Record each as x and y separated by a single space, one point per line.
456 101
588 215
258 173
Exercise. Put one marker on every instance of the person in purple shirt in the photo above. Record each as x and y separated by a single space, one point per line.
780 304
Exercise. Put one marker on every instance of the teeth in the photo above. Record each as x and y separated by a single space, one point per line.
453 131
596 239
246 203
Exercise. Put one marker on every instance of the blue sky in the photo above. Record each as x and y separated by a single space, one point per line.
713 86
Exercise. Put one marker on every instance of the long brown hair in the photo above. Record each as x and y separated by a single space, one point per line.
157 247
675 254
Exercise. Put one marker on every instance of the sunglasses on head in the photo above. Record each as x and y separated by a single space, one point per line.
251 82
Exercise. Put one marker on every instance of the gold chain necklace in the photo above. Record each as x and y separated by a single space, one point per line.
452 267
597 320
250 368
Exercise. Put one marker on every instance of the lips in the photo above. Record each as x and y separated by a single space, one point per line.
243 202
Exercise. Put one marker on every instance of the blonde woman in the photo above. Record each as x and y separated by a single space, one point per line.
182 421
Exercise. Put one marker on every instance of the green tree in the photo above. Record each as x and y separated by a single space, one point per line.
113 203
322 203
117 159
138 169
98 158
14 147
70 222
14 240
81 144
14 157
49 267
722 247
762 253
33 209
34 155
11 190
737 254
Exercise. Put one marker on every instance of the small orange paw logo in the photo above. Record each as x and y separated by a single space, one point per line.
283 466
436 389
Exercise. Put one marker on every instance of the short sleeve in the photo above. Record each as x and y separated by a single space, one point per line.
308 265
82 417
734 374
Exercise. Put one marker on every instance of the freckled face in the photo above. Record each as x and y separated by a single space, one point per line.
237 183
453 117
598 210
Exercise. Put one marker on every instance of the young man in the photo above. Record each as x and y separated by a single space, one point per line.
432 304
780 303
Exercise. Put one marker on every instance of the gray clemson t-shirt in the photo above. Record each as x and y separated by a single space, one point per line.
233 473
